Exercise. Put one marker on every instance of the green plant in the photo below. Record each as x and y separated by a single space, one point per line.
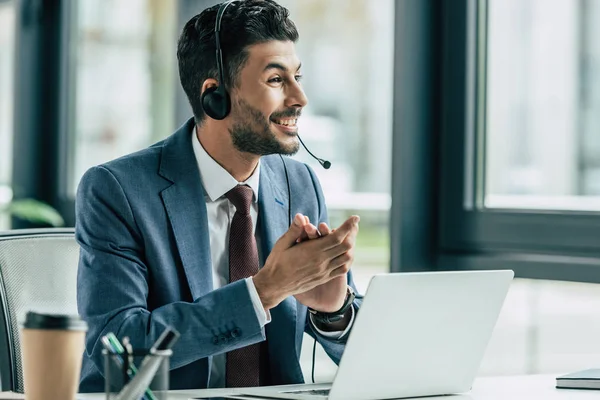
33 211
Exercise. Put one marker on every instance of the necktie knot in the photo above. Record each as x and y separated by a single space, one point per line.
241 197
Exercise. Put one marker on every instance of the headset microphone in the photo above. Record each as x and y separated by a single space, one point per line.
324 163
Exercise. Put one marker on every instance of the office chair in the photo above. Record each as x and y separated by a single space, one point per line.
38 271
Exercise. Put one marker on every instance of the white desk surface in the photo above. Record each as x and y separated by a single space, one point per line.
523 387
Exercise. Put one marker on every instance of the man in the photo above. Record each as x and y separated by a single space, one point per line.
174 235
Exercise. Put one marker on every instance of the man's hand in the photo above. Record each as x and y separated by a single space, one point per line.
293 268
310 231
329 296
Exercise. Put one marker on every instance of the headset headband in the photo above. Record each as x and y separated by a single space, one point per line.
219 54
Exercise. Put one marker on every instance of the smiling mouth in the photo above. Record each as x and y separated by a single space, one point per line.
288 122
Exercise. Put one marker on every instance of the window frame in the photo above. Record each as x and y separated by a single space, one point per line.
12 4
42 111
562 245
45 86
415 144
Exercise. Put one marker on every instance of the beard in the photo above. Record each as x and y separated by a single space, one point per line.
251 132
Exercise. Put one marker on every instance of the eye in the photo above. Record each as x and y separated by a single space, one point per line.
277 79
299 78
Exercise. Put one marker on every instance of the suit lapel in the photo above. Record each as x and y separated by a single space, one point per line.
281 332
186 209
273 208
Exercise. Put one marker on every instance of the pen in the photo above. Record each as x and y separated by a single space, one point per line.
108 346
113 345
149 365
128 349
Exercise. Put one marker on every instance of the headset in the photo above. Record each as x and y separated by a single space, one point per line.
215 100
216 103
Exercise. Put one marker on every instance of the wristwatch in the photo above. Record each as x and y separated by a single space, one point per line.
328 318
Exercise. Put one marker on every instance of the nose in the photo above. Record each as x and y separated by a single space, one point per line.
295 96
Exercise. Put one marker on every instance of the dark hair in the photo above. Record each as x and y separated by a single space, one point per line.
245 23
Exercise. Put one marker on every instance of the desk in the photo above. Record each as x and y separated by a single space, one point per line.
525 387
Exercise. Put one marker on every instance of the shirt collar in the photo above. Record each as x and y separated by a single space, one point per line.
215 179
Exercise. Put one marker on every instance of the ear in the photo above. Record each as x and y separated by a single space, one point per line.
208 83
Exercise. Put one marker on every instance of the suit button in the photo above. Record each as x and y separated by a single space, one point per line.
237 332
215 340
223 339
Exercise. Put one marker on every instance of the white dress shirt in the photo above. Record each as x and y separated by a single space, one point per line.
217 182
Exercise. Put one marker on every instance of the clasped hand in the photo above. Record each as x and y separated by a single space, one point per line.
309 263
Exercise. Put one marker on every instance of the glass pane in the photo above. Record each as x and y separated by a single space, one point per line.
7 37
125 79
343 45
543 104
545 327
348 120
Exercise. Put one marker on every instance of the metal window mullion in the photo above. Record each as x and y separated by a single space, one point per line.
39 100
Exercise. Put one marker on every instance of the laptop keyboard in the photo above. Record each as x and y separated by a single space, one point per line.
321 392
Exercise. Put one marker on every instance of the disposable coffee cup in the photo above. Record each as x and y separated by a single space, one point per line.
52 348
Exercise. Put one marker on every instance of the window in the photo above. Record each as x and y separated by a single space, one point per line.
348 121
518 139
516 179
7 30
125 79
543 105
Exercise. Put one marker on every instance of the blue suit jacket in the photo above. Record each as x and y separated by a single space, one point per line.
145 263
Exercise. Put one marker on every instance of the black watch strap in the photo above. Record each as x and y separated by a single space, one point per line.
328 318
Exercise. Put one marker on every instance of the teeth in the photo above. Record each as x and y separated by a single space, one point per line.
287 122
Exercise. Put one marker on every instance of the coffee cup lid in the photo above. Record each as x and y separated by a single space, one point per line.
35 320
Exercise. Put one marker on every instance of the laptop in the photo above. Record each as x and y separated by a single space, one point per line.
416 334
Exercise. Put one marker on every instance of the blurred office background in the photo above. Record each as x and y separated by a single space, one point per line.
395 87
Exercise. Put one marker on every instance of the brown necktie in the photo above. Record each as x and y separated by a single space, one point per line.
242 365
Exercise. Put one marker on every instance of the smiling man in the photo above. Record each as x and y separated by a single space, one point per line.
212 231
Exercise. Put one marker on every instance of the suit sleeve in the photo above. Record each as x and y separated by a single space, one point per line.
112 285
333 347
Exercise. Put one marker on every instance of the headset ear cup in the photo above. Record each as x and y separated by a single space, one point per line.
216 103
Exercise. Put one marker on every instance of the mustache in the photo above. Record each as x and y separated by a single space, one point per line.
289 113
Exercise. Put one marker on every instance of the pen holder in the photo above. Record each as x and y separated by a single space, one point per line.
119 369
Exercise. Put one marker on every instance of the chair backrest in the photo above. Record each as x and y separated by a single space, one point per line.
38 271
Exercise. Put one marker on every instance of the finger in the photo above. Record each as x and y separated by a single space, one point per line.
335 244
303 237
342 259
347 244
289 238
342 270
324 229
312 231
337 237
